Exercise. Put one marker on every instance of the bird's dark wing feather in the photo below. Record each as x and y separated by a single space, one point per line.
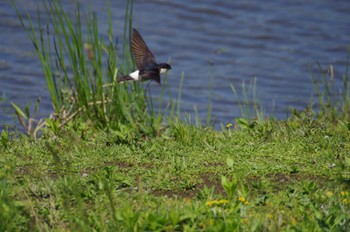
152 74
141 52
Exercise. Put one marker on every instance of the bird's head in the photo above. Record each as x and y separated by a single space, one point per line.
164 67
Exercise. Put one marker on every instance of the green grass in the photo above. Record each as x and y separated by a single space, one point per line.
332 102
108 161
291 175
250 107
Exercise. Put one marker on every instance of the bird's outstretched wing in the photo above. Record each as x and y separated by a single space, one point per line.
142 54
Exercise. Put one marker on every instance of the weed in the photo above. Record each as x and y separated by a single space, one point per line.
332 103
250 107
28 121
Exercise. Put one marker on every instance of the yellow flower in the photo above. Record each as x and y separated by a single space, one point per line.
294 221
346 201
329 194
223 201
228 125
241 199
344 194
210 203
216 202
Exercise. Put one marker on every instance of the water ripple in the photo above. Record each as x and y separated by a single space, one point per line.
276 42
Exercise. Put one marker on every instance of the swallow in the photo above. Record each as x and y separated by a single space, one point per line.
147 67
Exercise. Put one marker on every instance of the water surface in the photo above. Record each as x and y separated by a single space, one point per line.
275 42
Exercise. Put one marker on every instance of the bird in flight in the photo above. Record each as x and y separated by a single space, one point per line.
147 67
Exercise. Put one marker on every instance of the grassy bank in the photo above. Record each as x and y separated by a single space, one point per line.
291 175
108 161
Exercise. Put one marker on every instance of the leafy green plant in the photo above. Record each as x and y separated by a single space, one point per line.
230 186
28 122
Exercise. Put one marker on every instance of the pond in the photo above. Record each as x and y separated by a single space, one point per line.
216 44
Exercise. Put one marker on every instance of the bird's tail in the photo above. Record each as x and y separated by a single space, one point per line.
125 78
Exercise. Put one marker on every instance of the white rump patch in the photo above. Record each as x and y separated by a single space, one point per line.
135 75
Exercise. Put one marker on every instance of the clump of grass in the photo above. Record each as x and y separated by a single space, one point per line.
250 108
332 103
80 70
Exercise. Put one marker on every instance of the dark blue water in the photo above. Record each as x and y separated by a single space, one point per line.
274 42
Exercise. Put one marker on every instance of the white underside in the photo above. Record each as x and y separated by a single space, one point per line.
135 75
163 70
